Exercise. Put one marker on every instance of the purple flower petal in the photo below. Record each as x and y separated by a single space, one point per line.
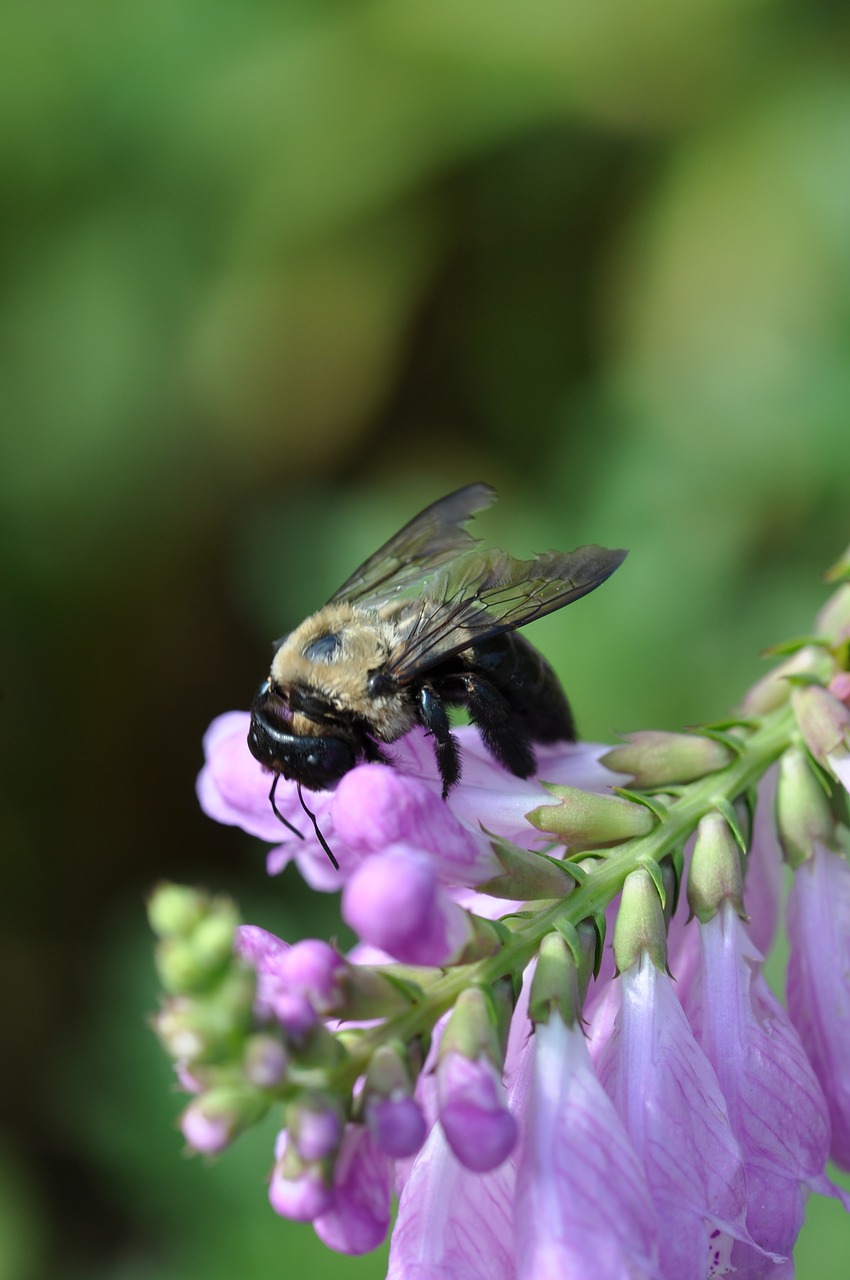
453 1224
775 1105
667 1095
471 1101
582 1204
393 901
359 1216
375 807
302 1196
819 982
397 1125
763 887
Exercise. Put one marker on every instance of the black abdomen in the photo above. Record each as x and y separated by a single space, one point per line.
528 684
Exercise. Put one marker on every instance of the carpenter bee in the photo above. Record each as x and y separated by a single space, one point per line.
426 623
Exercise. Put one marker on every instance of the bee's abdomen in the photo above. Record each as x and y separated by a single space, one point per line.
527 682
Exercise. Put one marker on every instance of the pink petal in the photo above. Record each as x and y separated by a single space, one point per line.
359 1216
667 1094
582 1203
819 982
776 1108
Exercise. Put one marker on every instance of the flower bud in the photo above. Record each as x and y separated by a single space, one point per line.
559 982
529 876
639 926
774 689
315 1123
298 1190
209 1027
213 1119
192 963
174 910
264 1061
803 812
396 1124
312 968
823 721
715 874
393 901
471 1103
478 1024
656 759
585 820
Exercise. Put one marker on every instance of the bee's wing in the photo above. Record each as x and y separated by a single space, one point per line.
485 593
425 543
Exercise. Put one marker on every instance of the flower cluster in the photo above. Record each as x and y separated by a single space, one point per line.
543 1103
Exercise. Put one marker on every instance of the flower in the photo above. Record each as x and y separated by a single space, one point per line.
817 986
670 1102
776 1108
582 1202
374 806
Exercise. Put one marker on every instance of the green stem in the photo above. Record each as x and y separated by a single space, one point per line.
604 881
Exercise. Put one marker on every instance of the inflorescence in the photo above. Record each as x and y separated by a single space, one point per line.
542 1102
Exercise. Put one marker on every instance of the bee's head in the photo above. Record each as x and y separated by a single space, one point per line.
317 761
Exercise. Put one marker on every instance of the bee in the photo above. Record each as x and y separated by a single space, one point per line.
427 623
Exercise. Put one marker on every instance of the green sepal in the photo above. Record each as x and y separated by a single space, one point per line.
722 805
650 865
672 868
655 807
804 679
840 571
786 647
640 928
530 876
727 740
488 937
376 993
556 985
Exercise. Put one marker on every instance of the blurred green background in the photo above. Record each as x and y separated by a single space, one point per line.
276 275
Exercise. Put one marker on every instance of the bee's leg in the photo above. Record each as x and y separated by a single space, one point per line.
432 716
504 734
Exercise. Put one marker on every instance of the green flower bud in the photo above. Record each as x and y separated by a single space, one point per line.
657 759
833 621
715 872
388 1072
803 812
529 876
640 923
174 910
479 1023
561 976
585 820
774 689
823 721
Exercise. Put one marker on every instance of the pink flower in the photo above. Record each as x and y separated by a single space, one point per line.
818 987
375 806
582 1202
776 1108
471 1104
669 1100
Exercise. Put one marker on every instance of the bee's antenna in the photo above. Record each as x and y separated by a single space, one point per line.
321 839
277 813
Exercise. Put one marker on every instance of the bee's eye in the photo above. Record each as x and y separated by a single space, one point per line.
323 648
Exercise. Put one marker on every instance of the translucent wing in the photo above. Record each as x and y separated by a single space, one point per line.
425 543
485 593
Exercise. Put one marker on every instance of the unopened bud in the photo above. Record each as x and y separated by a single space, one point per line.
478 1024
656 759
174 910
803 812
392 1115
585 820
212 1120
640 927
774 689
315 1123
823 721
714 876
264 1061
560 981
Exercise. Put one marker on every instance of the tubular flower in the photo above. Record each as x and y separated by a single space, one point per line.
818 988
776 1108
